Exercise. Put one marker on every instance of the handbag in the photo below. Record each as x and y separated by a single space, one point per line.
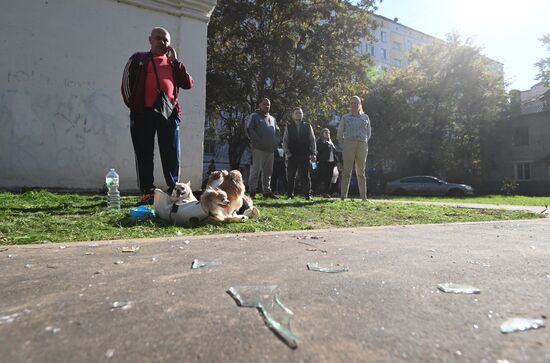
162 105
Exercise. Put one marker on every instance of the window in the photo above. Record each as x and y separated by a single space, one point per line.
414 179
523 171
383 53
397 62
396 45
521 136
370 49
383 36
209 147
429 180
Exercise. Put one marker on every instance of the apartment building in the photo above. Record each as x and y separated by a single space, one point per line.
394 42
518 148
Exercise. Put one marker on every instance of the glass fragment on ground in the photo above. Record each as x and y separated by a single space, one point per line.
122 305
276 315
329 269
130 249
52 329
513 325
8 319
202 264
452 288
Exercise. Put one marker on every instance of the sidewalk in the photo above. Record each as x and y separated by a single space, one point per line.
386 308
533 209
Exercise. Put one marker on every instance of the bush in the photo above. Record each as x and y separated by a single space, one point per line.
509 186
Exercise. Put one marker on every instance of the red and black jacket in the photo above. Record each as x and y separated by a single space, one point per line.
133 81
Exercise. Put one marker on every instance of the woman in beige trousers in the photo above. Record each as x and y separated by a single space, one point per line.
354 132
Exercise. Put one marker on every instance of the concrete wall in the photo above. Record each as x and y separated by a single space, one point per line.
63 120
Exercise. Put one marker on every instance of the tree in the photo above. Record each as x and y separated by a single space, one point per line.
295 52
544 64
428 116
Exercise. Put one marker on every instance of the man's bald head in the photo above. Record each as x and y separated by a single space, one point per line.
159 40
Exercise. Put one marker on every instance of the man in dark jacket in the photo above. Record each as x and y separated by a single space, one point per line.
300 150
145 77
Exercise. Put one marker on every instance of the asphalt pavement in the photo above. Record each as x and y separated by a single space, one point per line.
112 302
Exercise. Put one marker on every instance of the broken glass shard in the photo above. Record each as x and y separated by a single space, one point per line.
8 319
449 287
130 249
200 264
513 325
122 305
276 315
53 329
330 269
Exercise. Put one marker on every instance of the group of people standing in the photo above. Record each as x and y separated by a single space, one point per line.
302 150
150 85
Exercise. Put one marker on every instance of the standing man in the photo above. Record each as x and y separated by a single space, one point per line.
147 77
263 132
300 149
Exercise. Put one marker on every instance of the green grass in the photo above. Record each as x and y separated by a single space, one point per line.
42 217
485 199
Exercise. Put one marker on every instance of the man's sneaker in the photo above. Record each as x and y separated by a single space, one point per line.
307 197
252 195
270 195
147 199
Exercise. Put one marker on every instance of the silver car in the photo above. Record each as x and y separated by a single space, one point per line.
427 185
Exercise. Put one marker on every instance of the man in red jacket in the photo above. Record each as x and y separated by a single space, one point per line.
146 75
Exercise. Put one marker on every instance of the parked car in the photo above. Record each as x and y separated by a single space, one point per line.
427 185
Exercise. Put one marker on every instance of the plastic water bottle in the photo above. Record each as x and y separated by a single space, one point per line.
113 195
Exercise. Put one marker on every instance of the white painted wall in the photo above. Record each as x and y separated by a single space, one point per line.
62 118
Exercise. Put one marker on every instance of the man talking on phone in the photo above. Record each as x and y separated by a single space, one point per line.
150 85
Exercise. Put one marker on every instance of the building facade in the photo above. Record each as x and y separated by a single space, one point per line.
518 148
394 42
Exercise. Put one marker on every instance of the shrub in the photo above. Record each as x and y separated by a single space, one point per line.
509 186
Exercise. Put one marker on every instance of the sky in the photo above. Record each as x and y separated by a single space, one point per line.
507 30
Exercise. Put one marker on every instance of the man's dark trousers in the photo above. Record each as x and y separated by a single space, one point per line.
143 127
302 165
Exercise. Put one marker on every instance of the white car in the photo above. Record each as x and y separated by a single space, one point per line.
427 185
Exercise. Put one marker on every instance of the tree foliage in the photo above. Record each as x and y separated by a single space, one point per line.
428 117
544 64
295 52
